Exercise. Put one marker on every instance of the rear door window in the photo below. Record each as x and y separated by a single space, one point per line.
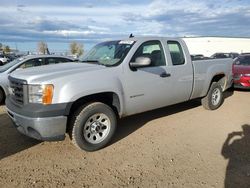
176 53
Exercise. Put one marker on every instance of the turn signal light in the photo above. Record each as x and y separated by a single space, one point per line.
47 94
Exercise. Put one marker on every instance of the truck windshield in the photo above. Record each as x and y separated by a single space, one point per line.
109 53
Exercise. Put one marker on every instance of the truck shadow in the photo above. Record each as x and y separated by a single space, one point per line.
236 149
11 141
130 124
242 90
229 93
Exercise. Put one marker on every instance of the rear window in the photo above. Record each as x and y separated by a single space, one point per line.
243 60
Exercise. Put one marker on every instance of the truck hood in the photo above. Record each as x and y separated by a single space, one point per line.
48 72
241 69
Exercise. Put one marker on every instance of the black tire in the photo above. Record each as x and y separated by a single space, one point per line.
210 101
80 121
2 96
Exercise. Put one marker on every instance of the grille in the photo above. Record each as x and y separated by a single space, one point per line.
17 87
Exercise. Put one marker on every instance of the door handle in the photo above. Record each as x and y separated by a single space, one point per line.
164 74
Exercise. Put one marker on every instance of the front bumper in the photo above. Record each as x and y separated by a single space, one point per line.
41 128
239 86
47 129
242 82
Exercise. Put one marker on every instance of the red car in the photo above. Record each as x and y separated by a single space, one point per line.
241 71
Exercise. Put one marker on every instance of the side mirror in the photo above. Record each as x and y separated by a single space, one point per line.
140 62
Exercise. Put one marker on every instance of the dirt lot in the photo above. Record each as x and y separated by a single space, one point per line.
178 146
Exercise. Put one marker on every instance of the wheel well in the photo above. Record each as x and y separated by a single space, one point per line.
109 98
217 78
3 92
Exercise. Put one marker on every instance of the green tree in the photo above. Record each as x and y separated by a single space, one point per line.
42 47
76 49
6 49
73 48
80 50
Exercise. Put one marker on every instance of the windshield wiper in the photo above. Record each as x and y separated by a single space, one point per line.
93 61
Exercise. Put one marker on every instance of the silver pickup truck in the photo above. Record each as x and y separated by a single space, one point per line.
115 79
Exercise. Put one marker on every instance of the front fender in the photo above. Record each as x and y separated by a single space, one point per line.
72 91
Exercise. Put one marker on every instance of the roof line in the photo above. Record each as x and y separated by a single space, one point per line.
244 37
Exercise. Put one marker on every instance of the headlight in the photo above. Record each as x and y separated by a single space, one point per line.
42 94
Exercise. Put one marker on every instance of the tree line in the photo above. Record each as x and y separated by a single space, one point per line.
4 48
75 48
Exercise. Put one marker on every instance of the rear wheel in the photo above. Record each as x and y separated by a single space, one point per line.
93 126
214 98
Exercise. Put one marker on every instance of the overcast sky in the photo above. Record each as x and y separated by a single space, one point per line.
91 21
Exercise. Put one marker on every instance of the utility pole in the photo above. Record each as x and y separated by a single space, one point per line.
16 46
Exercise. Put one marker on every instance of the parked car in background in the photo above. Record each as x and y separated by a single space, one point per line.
241 71
3 60
26 62
12 57
195 57
225 55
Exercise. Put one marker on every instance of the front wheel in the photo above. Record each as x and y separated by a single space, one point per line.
93 126
214 97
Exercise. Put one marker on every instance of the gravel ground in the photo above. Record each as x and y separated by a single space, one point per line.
178 146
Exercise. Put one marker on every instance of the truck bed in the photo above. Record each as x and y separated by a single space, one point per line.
203 70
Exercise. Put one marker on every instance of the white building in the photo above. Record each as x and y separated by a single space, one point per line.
210 45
